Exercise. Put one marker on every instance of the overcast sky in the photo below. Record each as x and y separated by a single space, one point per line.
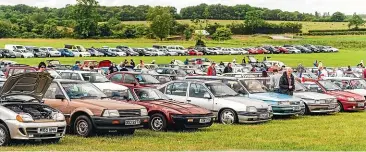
309 6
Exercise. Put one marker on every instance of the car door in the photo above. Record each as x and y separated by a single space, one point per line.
116 78
199 95
50 99
129 80
177 91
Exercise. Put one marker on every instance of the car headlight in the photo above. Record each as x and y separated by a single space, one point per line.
351 99
144 112
110 113
108 92
58 117
269 108
24 118
251 109
283 103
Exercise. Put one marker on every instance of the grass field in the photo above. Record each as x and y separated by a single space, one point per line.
306 25
344 131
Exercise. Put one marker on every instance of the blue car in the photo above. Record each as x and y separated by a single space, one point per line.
282 104
66 53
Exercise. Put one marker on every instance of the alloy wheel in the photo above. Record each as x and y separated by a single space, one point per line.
2 136
82 127
157 124
227 117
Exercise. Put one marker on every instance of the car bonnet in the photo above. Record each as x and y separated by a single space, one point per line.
34 84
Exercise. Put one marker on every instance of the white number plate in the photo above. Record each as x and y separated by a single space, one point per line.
47 130
205 120
132 122
361 104
263 115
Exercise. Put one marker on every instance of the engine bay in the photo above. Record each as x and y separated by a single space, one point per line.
37 111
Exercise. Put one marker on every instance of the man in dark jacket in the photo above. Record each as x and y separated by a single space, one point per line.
228 68
287 82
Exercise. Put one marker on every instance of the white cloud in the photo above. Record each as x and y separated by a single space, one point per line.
310 6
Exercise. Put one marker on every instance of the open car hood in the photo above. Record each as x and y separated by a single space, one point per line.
34 84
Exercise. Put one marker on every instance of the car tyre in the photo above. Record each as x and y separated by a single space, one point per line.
228 117
4 135
83 126
51 141
158 122
340 107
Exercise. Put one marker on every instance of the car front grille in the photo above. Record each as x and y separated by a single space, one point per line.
264 110
35 130
129 113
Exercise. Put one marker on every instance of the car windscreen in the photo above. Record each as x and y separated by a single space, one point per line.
146 79
82 90
221 90
329 86
94 77
150 94
254 86
299 87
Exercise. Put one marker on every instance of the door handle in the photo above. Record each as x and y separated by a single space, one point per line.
188 100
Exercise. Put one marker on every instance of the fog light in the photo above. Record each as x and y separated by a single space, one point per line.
115 122
190 120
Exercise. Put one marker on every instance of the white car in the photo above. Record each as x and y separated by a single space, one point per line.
23 54
332 49
119 52
227 105
50 51
179 49
293 50
78 53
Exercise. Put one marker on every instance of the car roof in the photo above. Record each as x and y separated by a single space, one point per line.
76 71
69 81
341 78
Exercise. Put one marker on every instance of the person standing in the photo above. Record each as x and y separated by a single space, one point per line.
275 81
41 67
228 68
76 66
339 73
124 68
243 62
113 68
125 62
186 62
142 65
300 69
287 82
320 64
132 64
211 71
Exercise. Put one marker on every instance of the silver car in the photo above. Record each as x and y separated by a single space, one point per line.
22 113
227 105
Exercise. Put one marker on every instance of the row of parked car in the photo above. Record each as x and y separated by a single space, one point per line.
20 51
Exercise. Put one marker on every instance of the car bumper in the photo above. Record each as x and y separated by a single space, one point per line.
286 111
118 123
192 121
353 106
322 108
55 55
256 117
29 131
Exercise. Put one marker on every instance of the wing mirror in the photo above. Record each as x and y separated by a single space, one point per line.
206 96
60 96
320 90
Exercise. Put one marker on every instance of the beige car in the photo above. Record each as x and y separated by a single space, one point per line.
88 111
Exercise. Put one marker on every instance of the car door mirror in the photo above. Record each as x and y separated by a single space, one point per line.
320 90
206 95
60 96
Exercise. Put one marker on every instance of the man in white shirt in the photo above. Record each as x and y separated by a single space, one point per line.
339 73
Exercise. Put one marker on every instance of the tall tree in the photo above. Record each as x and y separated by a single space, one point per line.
86 17
356 21
338 17
161 21
253 20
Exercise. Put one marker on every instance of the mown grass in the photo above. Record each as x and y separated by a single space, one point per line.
306 25
344 131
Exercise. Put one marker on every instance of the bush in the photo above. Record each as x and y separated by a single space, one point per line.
237 28
222 33
188 33
29 35
211 28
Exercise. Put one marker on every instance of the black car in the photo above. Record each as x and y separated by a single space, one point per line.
7 54
272 49
303 49
106 52
312 48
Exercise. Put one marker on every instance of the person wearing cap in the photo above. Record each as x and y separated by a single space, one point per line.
211 71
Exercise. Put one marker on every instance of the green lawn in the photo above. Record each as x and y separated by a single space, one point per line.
306 25
344 131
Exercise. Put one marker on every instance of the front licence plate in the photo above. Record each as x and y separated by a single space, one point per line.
361 104
132 122
47 130
263 116
205 120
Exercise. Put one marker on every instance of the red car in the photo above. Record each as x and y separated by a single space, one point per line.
133 79
282 49
262 50
18 68
165 113
254 51
194 52
347 101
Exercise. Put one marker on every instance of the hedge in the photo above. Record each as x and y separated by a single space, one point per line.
342 30
338 33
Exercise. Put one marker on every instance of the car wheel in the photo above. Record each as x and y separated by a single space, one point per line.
80 55
306 111
83 126
51 141
158 122
339 107
4 135
227 116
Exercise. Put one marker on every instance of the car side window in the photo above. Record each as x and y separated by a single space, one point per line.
66 75
197 90
116 78
52 91
128 78
177 89
75 76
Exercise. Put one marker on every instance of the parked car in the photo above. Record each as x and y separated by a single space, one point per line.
206 51
312 48
36 51
88 112
227 105
107 52
254 89
133 79
272 49
303 49
23 114
94 52
66 52
194 52
166 113
179 73
331 49
323 49
354 85
154 52
18 68
12 47
179 49
347 101
129 51
79 53
293 50
7 54
168 52
50 51
282 49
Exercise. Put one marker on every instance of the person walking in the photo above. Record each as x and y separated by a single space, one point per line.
228 68
275 81
211 71
287 82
